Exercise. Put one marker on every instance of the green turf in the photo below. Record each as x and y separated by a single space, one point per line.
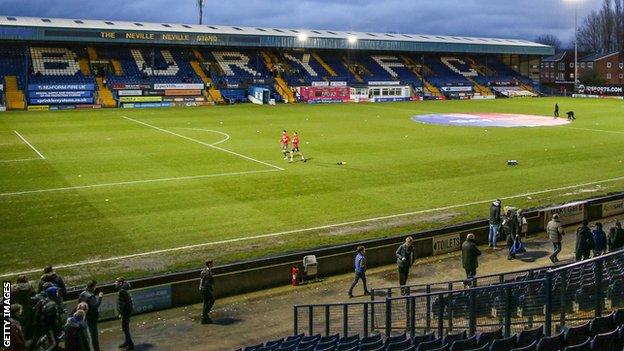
393 165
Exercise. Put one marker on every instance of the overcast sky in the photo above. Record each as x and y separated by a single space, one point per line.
491 18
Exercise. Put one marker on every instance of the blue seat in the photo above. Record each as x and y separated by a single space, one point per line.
577 334
550 343
373 345
531 347
487 337
450 338
465 344
399 345
527 336
503 344
584 346
418 339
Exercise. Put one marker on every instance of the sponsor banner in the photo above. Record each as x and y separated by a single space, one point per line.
59 94
191 104
140 99
144 300
391 82
390 99
39 108
132 92
148 105
320 84
182 92
61 87
612 208
153 92
172 86
597 96
325 101
571 213
338 84
47 101
89 106
62 107
324 94
120 86
446 243
457 89
484 97
608 90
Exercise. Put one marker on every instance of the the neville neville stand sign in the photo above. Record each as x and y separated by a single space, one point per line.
6 314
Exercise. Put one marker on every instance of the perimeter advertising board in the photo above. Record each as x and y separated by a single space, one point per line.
325 94
571 213
140 99
172 86
613 208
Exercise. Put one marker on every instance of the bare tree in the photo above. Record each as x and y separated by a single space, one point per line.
603 30
551 40
200 6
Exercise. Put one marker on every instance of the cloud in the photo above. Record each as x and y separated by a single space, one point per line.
489 18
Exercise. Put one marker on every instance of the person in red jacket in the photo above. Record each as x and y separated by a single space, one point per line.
295 148
285 141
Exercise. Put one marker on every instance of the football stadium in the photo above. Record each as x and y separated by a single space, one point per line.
213 187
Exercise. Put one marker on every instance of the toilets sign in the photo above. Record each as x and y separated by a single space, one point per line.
446 243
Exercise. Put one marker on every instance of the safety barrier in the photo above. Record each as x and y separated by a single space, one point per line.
574 293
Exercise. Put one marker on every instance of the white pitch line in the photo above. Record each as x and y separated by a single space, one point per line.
29 144
202 143
597 130
20 160
295 231
227 136
132 182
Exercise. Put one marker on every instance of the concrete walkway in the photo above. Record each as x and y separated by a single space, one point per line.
254 318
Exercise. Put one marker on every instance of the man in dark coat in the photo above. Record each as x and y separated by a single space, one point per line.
405 259
18 340
93 313
556 110
616 237
495 222
470 256
22 293
584 241
50 276
124 308
76 334
206 287
47 316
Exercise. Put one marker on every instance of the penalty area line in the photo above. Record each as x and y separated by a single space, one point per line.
132 182
20 160
29 144
203 143
296 231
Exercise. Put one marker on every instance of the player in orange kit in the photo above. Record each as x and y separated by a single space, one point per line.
285 141
295 148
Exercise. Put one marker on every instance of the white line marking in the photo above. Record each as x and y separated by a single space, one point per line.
131 182
328 226
20 160
227 136
29 144
598 130
203 143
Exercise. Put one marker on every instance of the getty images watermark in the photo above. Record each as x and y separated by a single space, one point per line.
6 314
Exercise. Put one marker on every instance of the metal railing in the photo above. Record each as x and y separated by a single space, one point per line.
570 294
485 280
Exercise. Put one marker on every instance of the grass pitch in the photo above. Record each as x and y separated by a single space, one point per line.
185 184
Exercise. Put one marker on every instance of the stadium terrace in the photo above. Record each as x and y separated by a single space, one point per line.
51 64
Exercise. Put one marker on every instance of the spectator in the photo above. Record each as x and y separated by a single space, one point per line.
206 286
360 270
599 240
510 229
47 316
124 307
495 222
555 232
405 259
50 276
76 334
584 241
616 237
93 302
18 340
470 256
22 293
